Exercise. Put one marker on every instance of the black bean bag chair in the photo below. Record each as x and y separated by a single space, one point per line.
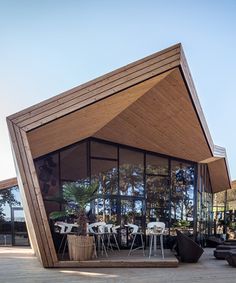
188 250
231 258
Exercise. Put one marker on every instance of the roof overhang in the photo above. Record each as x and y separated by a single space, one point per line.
153 101
8 183
150 104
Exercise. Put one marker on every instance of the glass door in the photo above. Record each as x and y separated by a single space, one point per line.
19 231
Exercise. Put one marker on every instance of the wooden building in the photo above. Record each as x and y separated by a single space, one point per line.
139 131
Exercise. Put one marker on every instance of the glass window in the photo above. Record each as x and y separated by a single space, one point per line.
105 210
73 163
131 212
105 173
9 198
156 165
103 150
182 194
131 173
157 198
47 169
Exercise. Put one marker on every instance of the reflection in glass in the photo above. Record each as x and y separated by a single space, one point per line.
105 210
47 169
131 173
157 198
102 150
73 163
182 194
131 212
11 225
156 165
134 186
105 173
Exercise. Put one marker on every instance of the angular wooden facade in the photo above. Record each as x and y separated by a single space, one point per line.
153 101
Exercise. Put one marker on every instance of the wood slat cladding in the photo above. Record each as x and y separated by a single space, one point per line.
39 235
8 183
70 106
218 175
85 122
196 103
162 120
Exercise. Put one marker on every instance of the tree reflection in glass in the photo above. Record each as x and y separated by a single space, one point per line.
131 173
182 194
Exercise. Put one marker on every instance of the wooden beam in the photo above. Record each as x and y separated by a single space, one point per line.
39 234
8 183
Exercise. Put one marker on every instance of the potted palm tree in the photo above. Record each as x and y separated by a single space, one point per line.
77 197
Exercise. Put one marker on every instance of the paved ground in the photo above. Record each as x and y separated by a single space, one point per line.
19 265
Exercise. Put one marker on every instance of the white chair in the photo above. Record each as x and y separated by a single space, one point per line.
65 228
97 230
115 233
134 233
110 231
155 229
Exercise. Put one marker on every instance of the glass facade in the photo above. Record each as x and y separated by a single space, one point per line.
12 221
134 186
204 223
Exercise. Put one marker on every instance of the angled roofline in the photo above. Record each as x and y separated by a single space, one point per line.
111 83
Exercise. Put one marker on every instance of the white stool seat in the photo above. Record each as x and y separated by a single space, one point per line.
154 230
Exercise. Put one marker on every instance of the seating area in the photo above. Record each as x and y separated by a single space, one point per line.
106 238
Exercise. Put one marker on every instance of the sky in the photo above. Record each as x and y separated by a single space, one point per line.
50 46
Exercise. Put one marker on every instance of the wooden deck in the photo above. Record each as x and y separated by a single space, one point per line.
120 259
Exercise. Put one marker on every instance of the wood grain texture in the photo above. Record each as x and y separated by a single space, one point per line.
162 120
218 175
196 103
85 122
39 237
8 183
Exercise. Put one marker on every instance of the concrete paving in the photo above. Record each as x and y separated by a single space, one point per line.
20 265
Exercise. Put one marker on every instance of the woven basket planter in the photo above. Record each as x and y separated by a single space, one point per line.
80 247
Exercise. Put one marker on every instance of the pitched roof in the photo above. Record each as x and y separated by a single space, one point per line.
152 100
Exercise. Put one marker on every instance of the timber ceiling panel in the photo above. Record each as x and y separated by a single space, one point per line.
219 175
162 120
85 122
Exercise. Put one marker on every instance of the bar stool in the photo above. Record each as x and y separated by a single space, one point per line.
65 228
99 234
156 229
111 231
134 233
114 233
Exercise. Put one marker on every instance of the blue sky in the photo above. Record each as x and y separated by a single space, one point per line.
47 47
